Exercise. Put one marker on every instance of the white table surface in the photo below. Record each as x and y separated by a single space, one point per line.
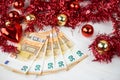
85 70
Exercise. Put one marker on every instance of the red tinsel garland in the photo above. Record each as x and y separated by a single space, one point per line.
102 55
46 12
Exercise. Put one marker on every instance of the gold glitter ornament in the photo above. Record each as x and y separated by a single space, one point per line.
62 19
30 17
103 46
7 23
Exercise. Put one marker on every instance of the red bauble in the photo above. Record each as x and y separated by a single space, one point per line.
18 4
12 32
74 5
13 16
87 30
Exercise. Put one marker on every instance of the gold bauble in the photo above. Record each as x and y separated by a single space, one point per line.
30 17
7 23
62 19
103 46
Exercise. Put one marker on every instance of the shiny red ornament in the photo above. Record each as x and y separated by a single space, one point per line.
87 30
13 16
18 4
74 5
12 32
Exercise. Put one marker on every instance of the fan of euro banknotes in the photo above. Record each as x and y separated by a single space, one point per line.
43 52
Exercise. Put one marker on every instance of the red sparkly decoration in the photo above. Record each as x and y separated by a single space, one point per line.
12 32
87 30
103 51
18 4
13 16
75 5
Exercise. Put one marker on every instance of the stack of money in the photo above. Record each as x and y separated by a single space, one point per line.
43 52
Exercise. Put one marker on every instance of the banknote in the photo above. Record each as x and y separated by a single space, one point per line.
60 63
43 52
49 57
71 52
37 66
29 48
